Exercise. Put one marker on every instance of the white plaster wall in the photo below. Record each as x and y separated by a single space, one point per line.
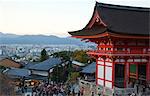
108 73
108 84
42 73
100 71
108 63
100 82
100 62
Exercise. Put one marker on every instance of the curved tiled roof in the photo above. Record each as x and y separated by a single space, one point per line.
18 72
118 19
46 65
91 68
125 19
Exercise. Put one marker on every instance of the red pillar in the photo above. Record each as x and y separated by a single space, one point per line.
96 71
148 71
125 73
113 73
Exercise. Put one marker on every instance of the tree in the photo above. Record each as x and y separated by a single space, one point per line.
73 77
59 74
78 55
81 56
44 55
2 67
66 55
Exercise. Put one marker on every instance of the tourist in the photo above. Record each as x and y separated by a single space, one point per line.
99 93
144 89
25 88
133 94
136 86
34 91
82 91
92 94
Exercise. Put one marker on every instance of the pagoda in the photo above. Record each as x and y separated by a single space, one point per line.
122 37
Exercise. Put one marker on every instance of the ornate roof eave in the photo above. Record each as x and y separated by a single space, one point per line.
95 18
93 36
128 36
110 34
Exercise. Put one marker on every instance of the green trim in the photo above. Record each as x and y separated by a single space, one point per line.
133 68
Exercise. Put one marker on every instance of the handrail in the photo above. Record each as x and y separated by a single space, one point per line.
117 52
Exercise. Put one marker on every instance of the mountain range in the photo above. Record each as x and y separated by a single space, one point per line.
36 39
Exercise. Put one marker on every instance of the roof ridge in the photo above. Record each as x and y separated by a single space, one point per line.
123 7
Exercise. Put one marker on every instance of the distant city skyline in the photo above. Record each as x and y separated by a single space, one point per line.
51 17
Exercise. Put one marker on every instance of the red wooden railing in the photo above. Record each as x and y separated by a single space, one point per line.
118 52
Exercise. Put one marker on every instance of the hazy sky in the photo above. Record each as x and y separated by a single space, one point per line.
51 17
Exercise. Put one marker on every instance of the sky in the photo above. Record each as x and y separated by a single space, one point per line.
51 17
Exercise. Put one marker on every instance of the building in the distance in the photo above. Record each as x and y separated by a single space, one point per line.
9 63
123 54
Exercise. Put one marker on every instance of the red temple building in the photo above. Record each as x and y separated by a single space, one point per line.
122 37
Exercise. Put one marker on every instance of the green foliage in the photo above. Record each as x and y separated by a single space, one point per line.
2 67
66 55
44 55
59 74
81 56
73 77
30 58
63 74
16 56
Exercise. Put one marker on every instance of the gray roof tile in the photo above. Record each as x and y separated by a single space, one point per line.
46 65
91 68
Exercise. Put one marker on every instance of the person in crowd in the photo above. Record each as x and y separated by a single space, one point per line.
82 91
92 94
73 92
25 88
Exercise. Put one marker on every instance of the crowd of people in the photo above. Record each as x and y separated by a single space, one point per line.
44 89
60 89
141 87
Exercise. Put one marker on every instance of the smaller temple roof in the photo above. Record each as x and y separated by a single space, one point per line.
46 65
7 62
91 68
118 19
17 72
36 77
26 66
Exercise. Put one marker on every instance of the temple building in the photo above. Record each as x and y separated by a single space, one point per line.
123 54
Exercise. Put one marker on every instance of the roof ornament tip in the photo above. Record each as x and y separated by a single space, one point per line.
96 2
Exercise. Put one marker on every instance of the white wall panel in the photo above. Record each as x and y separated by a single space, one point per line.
42 73
100 62
100 82
99 58
108 63
100 71
108 73
137 60
130 60
108 84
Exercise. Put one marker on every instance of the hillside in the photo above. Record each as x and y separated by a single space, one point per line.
36 39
